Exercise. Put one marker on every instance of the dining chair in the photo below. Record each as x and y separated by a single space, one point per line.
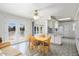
33 43
45 46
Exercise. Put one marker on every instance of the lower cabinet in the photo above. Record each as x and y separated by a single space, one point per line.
77 45
56 39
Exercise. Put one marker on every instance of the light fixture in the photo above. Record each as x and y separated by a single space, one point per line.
64 19
50 17
36 16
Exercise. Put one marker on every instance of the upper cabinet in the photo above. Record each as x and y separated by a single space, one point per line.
52 23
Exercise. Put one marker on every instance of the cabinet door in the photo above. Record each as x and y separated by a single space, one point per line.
77 29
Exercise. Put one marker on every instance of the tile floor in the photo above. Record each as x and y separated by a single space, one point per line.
68 48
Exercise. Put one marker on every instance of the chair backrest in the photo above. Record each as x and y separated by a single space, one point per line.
31 38
43 35
0 40
48 40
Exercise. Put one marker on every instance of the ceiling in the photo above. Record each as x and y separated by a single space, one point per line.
59 10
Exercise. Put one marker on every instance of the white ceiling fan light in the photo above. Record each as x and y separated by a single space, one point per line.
36 16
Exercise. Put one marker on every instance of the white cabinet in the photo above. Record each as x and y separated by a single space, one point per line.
56 39
77 45
77 35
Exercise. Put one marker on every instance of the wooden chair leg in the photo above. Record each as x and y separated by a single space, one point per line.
46 50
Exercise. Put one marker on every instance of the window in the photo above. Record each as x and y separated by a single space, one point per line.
12 30
41 29
22 29
38 29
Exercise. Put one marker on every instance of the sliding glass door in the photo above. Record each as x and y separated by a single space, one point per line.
16 32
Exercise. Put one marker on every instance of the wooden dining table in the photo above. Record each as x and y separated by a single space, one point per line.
42 39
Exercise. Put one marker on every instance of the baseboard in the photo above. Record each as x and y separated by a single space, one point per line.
56 44
69 37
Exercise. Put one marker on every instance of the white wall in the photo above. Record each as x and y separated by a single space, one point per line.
68 29
6 18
